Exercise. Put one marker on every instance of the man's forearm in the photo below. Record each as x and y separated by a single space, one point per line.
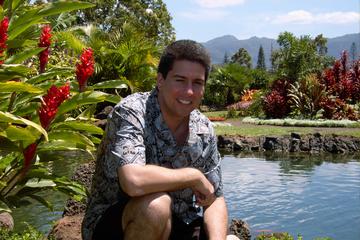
215 220
137 180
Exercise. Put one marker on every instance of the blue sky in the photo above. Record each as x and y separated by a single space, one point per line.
203 20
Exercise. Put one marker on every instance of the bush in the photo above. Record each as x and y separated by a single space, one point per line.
29 234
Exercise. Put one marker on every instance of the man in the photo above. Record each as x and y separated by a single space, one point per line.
158 166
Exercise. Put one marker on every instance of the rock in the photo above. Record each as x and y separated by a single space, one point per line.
67 228
240 229
6 221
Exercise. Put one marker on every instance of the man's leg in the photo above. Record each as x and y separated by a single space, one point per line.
147 217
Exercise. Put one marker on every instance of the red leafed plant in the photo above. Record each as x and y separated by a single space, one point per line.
4 25
85 68
276 103
337 109
50 103
45 41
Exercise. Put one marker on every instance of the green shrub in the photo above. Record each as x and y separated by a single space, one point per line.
29 234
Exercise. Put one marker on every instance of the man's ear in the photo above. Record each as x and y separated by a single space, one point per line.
159 80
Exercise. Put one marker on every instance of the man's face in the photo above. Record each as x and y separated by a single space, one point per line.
182 90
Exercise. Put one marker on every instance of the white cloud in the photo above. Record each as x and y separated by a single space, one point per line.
305 17
205 14
218 3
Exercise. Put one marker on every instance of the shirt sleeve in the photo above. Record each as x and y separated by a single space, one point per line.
213 164
125 141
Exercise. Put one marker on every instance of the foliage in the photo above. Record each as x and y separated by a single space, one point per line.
303 122
298 57
29 234
261 59
124 55
343 86
306 97
41 111
242 57
148 16
231 113
277 236
276 103
225 84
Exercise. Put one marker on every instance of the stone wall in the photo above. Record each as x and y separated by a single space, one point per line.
314 143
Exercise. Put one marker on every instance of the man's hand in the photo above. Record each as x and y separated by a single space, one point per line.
204 191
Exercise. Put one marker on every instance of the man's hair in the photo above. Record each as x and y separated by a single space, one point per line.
184 50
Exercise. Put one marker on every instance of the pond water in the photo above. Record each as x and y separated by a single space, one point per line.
301 194
297 194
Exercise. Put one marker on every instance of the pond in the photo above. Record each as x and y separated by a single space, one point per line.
313 196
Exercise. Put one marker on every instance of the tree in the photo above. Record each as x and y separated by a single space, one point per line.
353 51
298 57
242 57
226 58
261 59
148 16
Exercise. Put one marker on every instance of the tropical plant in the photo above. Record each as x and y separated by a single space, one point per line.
39 105
306 97
276 103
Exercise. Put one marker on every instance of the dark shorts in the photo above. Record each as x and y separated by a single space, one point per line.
109 226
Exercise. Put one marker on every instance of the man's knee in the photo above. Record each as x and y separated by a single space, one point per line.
151 208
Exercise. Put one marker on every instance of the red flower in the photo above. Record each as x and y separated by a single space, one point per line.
45 41
29 153
85 68
55 96
4 25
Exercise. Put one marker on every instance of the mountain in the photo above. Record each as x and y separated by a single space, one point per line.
229 44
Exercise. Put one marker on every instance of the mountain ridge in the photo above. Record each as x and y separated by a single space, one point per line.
229 44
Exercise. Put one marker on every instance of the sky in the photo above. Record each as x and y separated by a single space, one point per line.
203 20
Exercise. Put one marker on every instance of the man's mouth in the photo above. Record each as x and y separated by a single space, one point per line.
186 102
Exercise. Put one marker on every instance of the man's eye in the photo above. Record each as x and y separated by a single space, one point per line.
199 83
179 80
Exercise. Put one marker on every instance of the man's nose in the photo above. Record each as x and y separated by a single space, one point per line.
189 89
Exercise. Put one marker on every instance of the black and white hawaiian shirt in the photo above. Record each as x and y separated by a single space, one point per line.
137 134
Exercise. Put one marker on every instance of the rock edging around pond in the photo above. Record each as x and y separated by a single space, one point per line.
311 143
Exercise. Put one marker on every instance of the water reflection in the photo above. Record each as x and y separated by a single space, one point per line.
312 195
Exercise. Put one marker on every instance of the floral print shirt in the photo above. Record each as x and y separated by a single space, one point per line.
137 134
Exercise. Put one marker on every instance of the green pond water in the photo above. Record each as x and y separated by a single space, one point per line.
314 196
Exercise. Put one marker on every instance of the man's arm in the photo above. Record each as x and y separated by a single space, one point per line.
139 180
215 219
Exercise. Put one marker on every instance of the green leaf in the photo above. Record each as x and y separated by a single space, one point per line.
11 71
15 133
112 98
22 22
85 98
61 145
43 201
23 55
10 118
65 72
12 86
119 84
4 207
79 126
7 145
23 109
69 136
63 6
40 183
6 160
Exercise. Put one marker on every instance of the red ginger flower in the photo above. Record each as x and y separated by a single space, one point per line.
85 68
4 25
51 101
29 153
45 41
